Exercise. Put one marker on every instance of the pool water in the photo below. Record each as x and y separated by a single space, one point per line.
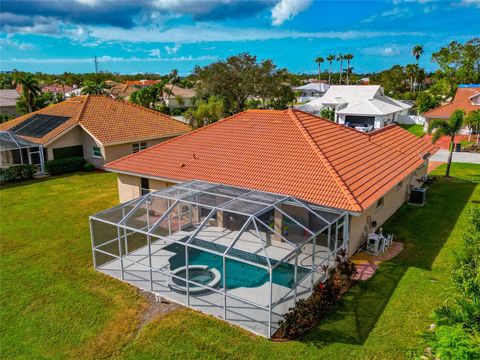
239 274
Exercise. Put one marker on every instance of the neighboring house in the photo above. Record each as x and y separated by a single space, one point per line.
73 93
142 83
311 91
466 98
119 90
95 127
180 98
293 153
8 101
364 107
58 88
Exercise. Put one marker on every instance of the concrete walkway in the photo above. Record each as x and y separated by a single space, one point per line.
461 157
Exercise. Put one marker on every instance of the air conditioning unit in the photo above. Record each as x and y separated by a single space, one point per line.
418 196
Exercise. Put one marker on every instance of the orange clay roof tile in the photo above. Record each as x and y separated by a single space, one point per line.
109 121
288 152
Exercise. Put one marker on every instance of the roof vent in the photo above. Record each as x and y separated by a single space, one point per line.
182 164
194 156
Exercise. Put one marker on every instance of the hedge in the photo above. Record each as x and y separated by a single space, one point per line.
17 173
64 166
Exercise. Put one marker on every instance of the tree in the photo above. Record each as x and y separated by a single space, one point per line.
411 71
392 80
39 102
426 101
330 58
95 88
319 61
152 96
417 51
348 57
30 89
328 113
472 120
7 81
174 79
206 112
241 78
458 63
340 58
449 128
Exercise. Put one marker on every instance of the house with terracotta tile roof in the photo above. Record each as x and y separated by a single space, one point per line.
95 127
466 98
293 153
364 107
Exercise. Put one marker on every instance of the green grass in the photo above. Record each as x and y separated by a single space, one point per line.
54 305
415 129
461 171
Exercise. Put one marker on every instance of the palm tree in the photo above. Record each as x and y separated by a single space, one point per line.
348 57
340 58
30 89
330 58
174 79
95 88
319 61
411 71
449 128
472 120
417 51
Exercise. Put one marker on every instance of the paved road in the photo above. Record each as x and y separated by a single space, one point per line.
462 157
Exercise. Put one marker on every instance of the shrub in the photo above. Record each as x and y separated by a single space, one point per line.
457 333
64 166
88 167
17 173
307 312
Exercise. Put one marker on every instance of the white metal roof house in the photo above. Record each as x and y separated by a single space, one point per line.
364 107
8 101
311 91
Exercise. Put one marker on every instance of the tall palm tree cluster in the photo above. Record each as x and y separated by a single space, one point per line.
30 89
330 59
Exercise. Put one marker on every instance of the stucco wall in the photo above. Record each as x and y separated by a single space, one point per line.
360 225
114 152
88 144
73 137
464 131
129 186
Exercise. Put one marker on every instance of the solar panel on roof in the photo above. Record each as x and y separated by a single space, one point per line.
38 125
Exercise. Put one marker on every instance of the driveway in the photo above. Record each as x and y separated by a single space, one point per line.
461 157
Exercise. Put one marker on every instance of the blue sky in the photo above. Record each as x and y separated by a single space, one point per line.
158 35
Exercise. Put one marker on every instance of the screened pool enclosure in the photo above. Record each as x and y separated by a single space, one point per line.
242 255
15 150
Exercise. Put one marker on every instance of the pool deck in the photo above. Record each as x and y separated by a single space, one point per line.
136 271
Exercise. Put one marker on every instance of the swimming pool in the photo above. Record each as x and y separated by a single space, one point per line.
239 274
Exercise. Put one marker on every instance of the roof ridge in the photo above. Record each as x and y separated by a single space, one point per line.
177 137
330 168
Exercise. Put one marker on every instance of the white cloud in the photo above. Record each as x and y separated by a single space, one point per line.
155 53
107 59
8 42
172 50
207 33
384 51
471 3
287 9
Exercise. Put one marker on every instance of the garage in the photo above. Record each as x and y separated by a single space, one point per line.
363 121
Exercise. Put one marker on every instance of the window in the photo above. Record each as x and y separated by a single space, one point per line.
97 152
399 185
380 203
144 186
139 146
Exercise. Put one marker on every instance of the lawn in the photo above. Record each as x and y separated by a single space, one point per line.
54 305
463 171
415 129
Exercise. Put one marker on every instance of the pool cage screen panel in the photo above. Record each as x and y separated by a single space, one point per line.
243 255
